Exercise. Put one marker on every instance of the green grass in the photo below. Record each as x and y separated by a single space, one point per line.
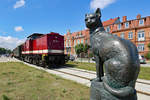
21 82
144 71
82 65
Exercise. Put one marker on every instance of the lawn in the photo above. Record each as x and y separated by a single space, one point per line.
144 71
21 82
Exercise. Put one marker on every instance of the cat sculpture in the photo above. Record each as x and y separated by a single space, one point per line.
118 56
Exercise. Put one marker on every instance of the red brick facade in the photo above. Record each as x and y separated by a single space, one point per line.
136 30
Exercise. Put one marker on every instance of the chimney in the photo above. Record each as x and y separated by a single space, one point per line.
138 16
124 18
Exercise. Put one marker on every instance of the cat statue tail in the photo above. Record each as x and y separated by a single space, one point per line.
122 92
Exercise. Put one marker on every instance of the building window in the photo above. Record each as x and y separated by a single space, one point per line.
141 22
149 34
68 37
81 34
74 42
127 25
82 41
130 35
86 41
78 41
141 36
122 35
69 43
115 34
140 47
119 26
108 29
66 43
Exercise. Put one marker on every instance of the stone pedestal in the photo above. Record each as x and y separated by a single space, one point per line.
98 92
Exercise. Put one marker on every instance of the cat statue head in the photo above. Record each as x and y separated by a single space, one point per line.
92 20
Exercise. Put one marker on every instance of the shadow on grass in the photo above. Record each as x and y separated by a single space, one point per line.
62 66
5 97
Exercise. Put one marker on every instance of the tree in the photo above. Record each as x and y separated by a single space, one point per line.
4 51
79 49
147 55
86 48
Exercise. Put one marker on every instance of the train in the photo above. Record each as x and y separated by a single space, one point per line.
42 49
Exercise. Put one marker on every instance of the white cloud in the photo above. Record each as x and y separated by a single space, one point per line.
18 28
19 4
10 42
100 3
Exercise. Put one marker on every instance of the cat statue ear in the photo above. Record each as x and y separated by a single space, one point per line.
85 15
98 12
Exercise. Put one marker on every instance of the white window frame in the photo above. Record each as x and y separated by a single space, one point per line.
126 24
74 42
141 36
78 41
86 41
69 43
130 35
141 20
82 41
122 35
141 47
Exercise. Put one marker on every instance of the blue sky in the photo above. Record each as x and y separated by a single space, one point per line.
20 18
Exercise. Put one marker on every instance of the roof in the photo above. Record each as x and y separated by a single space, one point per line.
34 34
110 21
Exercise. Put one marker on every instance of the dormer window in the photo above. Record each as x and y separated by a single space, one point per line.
141 22
108 29
127 25
119 26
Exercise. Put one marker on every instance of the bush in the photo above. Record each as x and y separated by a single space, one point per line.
147 55
5 97
91 55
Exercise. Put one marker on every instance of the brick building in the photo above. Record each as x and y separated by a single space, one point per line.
83 36
136 30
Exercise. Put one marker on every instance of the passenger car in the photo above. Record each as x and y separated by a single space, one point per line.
72 58
142 59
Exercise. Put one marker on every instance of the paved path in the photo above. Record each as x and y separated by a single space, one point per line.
7 59
62 72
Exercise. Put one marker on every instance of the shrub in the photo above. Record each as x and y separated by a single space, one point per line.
147 55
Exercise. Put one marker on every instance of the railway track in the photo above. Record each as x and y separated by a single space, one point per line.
77 71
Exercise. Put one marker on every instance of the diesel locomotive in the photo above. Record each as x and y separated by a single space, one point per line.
42 49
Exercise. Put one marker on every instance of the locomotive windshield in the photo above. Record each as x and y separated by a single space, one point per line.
34 36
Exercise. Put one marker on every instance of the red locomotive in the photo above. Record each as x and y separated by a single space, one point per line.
42 49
